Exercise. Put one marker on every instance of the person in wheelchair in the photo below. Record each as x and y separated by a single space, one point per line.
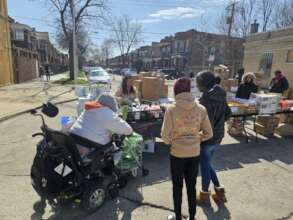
93 129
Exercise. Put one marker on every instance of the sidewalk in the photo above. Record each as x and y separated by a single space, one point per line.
20 97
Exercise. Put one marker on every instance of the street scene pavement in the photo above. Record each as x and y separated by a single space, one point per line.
258 176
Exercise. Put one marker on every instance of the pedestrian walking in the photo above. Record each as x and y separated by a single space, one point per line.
214 100
47 72
185 124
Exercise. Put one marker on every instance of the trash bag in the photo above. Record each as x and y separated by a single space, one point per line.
131 153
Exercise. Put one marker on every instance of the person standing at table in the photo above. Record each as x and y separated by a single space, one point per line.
279 83
247 86
185 124
126 94
214 100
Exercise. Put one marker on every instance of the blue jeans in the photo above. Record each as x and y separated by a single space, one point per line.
208 173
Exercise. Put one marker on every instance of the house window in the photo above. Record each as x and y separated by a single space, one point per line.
19 35
290 56
266 62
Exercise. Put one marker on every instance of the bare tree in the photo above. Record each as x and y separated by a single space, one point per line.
283 15
127 35
107 50
267 8
246 12
221 24
87 11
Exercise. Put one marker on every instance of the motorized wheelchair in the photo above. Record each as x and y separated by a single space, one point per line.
59 174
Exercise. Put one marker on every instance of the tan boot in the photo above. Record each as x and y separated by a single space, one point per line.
219 195
204 198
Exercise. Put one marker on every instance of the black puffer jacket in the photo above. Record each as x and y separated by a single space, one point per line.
218 110
279 86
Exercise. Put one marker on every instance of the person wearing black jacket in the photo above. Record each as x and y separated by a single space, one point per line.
247 86
279 84
214 99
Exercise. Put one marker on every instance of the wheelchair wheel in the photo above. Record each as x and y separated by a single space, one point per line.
39 206
94 197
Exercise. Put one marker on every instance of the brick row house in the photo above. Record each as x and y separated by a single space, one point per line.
189 51
6 71
32 49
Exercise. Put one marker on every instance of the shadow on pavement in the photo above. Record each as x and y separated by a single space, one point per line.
222 213
232 156
228 156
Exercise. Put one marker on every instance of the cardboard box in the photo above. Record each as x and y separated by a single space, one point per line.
152 88
165 91
289 119
138 85
285 130
265 131
268 121
235 127
222 71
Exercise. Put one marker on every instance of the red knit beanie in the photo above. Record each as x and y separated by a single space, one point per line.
182 85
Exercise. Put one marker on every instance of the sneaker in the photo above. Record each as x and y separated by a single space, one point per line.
171 217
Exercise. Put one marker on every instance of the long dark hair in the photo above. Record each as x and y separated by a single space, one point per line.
125 88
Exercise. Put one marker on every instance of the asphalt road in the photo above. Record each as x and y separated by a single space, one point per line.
258 178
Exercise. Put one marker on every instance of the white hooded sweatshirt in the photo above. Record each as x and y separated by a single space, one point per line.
97 123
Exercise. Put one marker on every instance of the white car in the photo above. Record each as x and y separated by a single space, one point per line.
99 75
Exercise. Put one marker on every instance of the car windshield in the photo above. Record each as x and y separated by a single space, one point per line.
98 73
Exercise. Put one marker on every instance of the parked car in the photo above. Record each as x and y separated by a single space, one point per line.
169 73
128 72
109 70
116 71
99 75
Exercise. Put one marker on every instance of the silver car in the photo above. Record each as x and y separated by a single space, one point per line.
99 75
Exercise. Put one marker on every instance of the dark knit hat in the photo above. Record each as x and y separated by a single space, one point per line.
182 85
206 79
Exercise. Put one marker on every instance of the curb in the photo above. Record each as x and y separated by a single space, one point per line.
28 110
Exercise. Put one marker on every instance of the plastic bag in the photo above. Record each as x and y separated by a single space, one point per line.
131 153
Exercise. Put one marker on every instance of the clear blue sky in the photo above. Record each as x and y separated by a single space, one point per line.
157 16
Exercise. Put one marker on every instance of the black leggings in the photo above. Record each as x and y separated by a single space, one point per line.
184 168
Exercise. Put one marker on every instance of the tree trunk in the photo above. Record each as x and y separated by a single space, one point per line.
71 61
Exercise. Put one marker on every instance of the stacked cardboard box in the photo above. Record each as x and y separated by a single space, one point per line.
266 124
222 71
138 85
151 86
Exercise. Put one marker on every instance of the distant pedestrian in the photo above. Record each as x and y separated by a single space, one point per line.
239 74
279 83
185 124
214 99
41 72
47 72
247 86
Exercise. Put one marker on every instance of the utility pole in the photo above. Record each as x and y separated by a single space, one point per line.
74 47
229 39
231 19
